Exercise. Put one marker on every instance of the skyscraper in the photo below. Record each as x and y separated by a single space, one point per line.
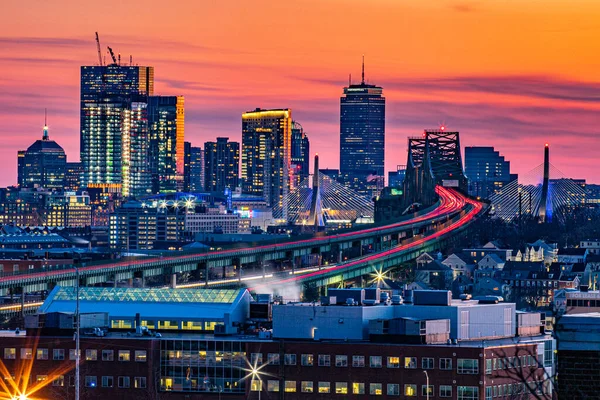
43 164
193 172
362 134
221 165
111 124
266 156
486 170
166 116
300 154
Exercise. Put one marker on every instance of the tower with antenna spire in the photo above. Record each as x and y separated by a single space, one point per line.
43 164
362 136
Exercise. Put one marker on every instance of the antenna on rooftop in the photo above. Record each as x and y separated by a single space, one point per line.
363 70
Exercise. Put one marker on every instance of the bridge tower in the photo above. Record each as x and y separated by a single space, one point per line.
433 159
315 217
545 212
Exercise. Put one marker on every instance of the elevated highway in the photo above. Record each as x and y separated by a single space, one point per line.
404 239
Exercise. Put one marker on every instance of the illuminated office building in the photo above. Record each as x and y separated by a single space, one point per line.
193 170
300 154
362 135
73 175
266 156
43 164
166 128
68 209
487 171
221 165
111 119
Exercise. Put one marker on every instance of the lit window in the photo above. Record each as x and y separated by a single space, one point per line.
26 354
140 355
393 362
290 386
307 360
410 362
341 388
124 355
324 387
272 386
42 354
410 390
306 387
376 389
427 390
91 355
358 388
10 353
59 381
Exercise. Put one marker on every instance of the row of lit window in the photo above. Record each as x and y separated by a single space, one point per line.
464 365
10 353
358 388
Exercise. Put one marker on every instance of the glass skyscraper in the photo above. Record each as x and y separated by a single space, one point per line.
362 135
300 154
166 118
486 170
266 156
113 137
221 165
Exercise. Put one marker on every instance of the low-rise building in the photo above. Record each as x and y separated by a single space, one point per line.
432 347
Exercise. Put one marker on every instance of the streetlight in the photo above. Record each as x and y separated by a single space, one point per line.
77 343
427 388
254 373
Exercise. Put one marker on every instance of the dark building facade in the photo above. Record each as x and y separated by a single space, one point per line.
166 116
362 134
113 125
73 175
266 156
43 164
300 154
221 165
486 170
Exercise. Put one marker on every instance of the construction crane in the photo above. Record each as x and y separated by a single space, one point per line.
99 51
112 55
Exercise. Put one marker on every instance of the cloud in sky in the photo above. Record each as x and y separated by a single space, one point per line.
509 76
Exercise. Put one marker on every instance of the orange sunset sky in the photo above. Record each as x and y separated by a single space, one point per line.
509 73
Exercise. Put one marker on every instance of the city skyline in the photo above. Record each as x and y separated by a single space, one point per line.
512 94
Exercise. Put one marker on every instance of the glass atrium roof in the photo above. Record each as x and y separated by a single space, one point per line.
98 294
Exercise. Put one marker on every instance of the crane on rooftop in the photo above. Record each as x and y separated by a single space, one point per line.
112 55
99 51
